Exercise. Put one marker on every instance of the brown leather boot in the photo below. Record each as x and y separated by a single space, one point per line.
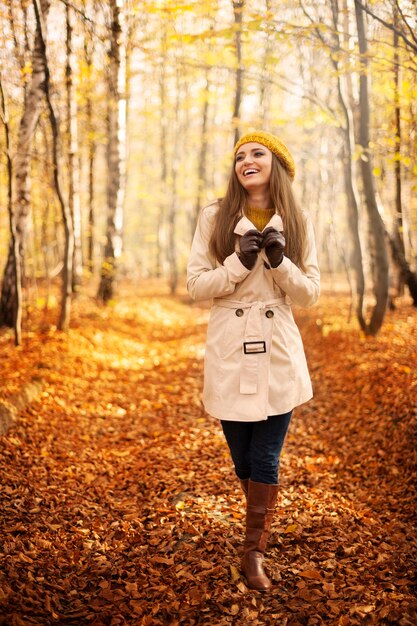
244 483
259 514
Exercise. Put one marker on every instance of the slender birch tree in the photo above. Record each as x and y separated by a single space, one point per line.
238 7
22 205
116 138
173 202
202 154
349 174
405 274
378 250
163 134
265 75
72 150
90 140
17 312
66 291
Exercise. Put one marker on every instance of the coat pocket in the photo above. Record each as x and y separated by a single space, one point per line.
231 344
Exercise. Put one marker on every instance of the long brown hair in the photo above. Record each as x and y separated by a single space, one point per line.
234 203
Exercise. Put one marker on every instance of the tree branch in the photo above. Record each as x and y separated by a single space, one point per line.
412 33
399 32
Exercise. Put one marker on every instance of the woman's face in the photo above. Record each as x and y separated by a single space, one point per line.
253 163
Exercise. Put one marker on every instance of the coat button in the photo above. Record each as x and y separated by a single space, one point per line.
239 312
269 313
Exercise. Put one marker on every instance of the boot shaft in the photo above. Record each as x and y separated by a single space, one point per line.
244 483
260 509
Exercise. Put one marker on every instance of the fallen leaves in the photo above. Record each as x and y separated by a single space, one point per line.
119 504
311 574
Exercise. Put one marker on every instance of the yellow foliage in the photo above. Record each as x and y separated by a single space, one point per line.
27 69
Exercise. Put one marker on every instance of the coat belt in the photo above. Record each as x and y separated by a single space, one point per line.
253 338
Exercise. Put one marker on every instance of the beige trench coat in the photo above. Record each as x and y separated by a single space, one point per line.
254 363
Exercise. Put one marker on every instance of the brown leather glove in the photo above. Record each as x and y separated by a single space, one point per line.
274 244
250 244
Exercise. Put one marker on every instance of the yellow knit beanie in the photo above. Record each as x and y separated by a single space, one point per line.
274 144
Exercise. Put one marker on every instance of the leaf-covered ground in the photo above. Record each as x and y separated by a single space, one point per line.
118 500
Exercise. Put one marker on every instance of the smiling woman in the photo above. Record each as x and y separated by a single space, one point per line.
277 147
253 169
254 253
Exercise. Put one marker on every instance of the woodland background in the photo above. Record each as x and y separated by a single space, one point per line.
118 500
119 120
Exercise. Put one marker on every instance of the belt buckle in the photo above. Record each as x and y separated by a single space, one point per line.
254 347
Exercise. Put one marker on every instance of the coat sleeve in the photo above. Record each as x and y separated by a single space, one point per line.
205 280
302 287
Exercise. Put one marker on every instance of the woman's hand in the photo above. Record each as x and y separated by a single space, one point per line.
250 244
274 244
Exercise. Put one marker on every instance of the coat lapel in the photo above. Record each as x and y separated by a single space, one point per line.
275 222
244 224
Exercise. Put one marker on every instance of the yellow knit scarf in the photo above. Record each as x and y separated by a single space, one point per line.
259 217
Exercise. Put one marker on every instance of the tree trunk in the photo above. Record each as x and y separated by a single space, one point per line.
20 55
398 225
265 80
45 221
17 312
347 133
351 191
172 213
27 125
409 277
238 14
163 138
91 153
122 119
115 137
66 290
399 257
72 151
91 190
376 226
202 157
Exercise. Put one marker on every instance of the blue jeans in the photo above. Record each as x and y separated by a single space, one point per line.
256 447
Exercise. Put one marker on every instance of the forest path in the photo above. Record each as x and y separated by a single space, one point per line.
119 504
